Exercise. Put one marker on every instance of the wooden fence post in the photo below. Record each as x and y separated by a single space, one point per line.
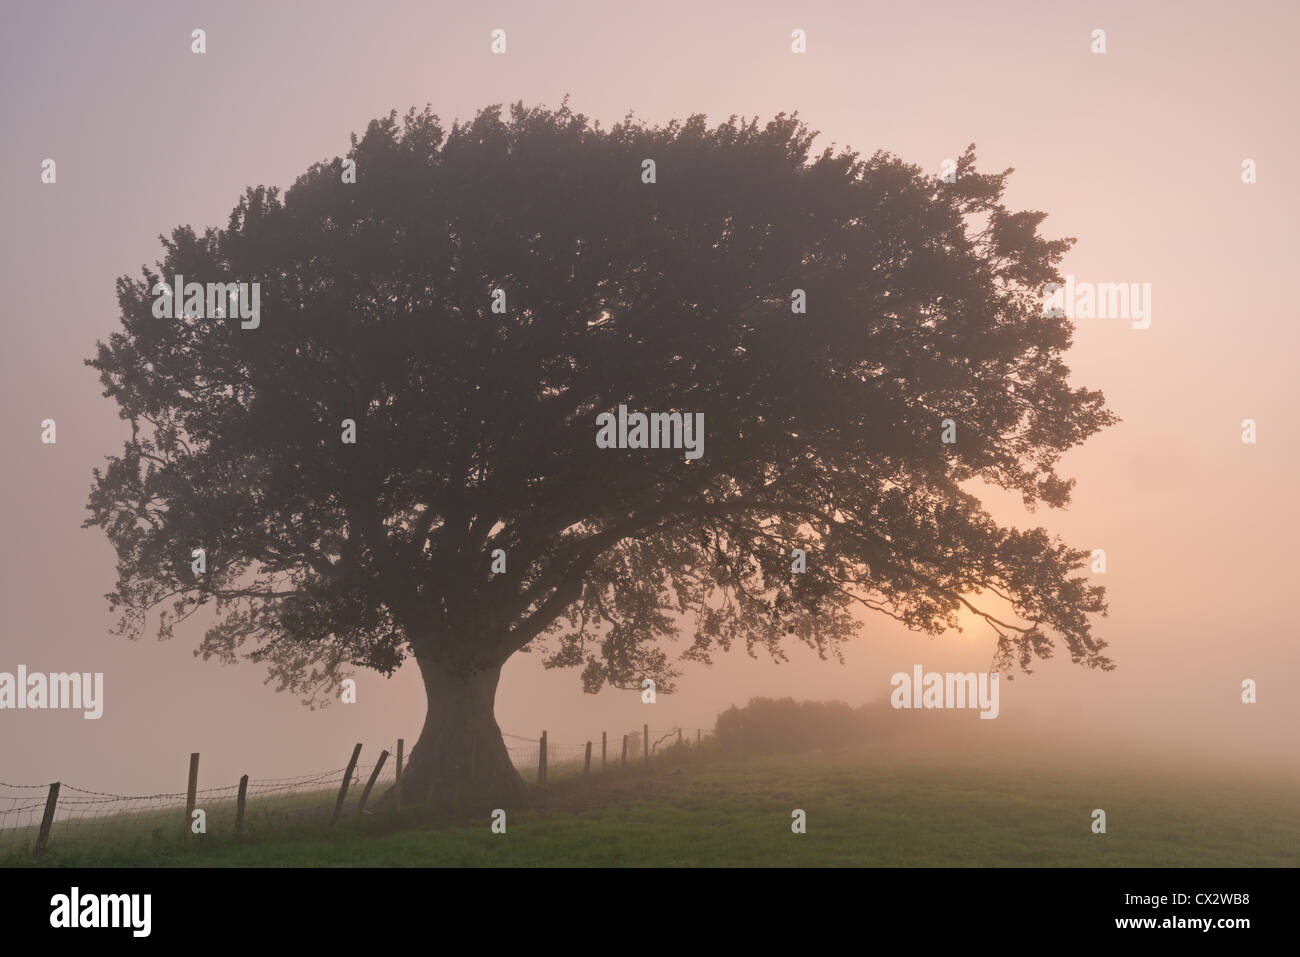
47 820
239 804
645 743
679 735
697 737
602 750
625 750
191 794
586 764
541 760
401 743
374 776
347 779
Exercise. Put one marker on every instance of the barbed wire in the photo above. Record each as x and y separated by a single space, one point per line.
82 813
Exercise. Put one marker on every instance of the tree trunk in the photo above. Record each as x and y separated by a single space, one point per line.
460 762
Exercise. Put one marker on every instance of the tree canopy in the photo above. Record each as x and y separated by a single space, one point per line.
475 429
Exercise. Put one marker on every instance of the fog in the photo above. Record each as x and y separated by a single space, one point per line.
1137 153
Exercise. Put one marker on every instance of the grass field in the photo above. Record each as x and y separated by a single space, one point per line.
863 809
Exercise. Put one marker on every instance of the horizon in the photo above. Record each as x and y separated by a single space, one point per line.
1196 525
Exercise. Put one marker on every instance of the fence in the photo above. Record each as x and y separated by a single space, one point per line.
34 815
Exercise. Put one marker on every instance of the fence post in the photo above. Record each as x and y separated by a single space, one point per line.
625 750
679 735
347 779
602 750
541 760
645 743
586 764
192 791
697 737
239 806
47 820
401 743
374 776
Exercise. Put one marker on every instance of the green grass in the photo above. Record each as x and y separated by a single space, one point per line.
862 810
131 826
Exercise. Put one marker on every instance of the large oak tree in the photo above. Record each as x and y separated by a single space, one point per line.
475 429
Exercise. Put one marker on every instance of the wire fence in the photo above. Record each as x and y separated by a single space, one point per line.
34 815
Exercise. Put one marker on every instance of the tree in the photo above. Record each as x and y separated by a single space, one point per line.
477 298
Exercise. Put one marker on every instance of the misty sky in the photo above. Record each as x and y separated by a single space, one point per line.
1137 153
